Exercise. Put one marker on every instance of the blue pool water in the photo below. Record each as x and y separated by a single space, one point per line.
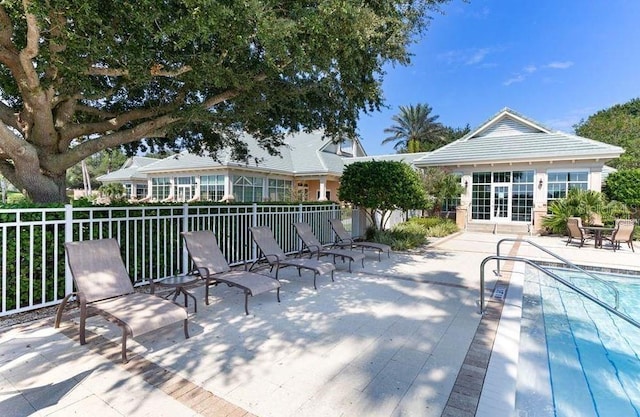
593 356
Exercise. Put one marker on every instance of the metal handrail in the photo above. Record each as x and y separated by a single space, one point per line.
566 261
604 305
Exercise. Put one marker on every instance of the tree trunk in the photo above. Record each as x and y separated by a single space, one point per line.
45 188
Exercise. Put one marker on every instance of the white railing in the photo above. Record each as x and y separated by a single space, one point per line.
32 260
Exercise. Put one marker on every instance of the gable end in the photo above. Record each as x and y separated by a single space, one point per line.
508 126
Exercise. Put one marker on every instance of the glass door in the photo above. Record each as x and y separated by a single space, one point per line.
500 205
184 193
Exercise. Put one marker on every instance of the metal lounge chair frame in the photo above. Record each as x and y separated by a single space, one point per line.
104 287
311 243
343 238
270 251
212 266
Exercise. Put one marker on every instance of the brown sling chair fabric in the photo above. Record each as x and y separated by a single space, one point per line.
275 256
104 286
213 268
344 238
311 242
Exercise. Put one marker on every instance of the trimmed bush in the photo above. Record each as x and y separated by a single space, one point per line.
413 233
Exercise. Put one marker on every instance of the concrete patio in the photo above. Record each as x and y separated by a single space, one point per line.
391 339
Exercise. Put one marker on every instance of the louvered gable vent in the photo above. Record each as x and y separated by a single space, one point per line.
507 126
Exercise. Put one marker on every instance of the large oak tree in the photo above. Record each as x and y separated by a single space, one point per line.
618 125
78 77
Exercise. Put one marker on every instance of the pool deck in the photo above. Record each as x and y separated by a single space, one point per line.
399 337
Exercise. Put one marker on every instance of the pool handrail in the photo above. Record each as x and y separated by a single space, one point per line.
585 294
560 258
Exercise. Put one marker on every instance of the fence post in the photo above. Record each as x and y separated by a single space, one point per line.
68 237
185 228
254 223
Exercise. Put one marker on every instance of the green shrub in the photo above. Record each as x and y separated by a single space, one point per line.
427 222
413 233
583 204
443 229
402 237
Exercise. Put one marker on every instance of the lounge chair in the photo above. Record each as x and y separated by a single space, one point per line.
575 230
104 287
314 246
623 232
344 238
212 266
275 256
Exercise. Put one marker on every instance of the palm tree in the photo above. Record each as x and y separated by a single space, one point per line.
415 130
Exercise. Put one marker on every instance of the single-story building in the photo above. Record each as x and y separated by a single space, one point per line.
307 169
513 167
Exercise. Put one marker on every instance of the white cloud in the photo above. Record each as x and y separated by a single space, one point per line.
517 79
530 69
559 65
477 56
473 56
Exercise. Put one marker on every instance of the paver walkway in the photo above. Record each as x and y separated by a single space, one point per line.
386 340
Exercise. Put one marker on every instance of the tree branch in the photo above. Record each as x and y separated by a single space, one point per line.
111 140
71 132
229 94
31 49
8 116
155 70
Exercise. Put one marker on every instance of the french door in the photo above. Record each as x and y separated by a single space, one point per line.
501 202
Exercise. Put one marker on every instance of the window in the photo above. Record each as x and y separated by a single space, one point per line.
450 204
481 196
559 183
247 189
141 191
212 187
127 189
302 191
279 190
522 196
160 188
327 195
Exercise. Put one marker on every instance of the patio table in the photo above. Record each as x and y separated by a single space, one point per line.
598 232
179 284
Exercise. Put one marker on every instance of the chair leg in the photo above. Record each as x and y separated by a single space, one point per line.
246 303
278 294
83 323
124 345
60 310
186 329
631 244
349 265
206 292
315 274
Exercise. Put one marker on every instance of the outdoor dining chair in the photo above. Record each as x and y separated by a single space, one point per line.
313 245
623 232
344 238
575 230
212 266
275 256
104 287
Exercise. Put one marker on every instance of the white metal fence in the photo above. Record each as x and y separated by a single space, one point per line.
32 260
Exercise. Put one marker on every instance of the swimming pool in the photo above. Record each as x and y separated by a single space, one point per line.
576 358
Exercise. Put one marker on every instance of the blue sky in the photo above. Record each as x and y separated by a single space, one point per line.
555 61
